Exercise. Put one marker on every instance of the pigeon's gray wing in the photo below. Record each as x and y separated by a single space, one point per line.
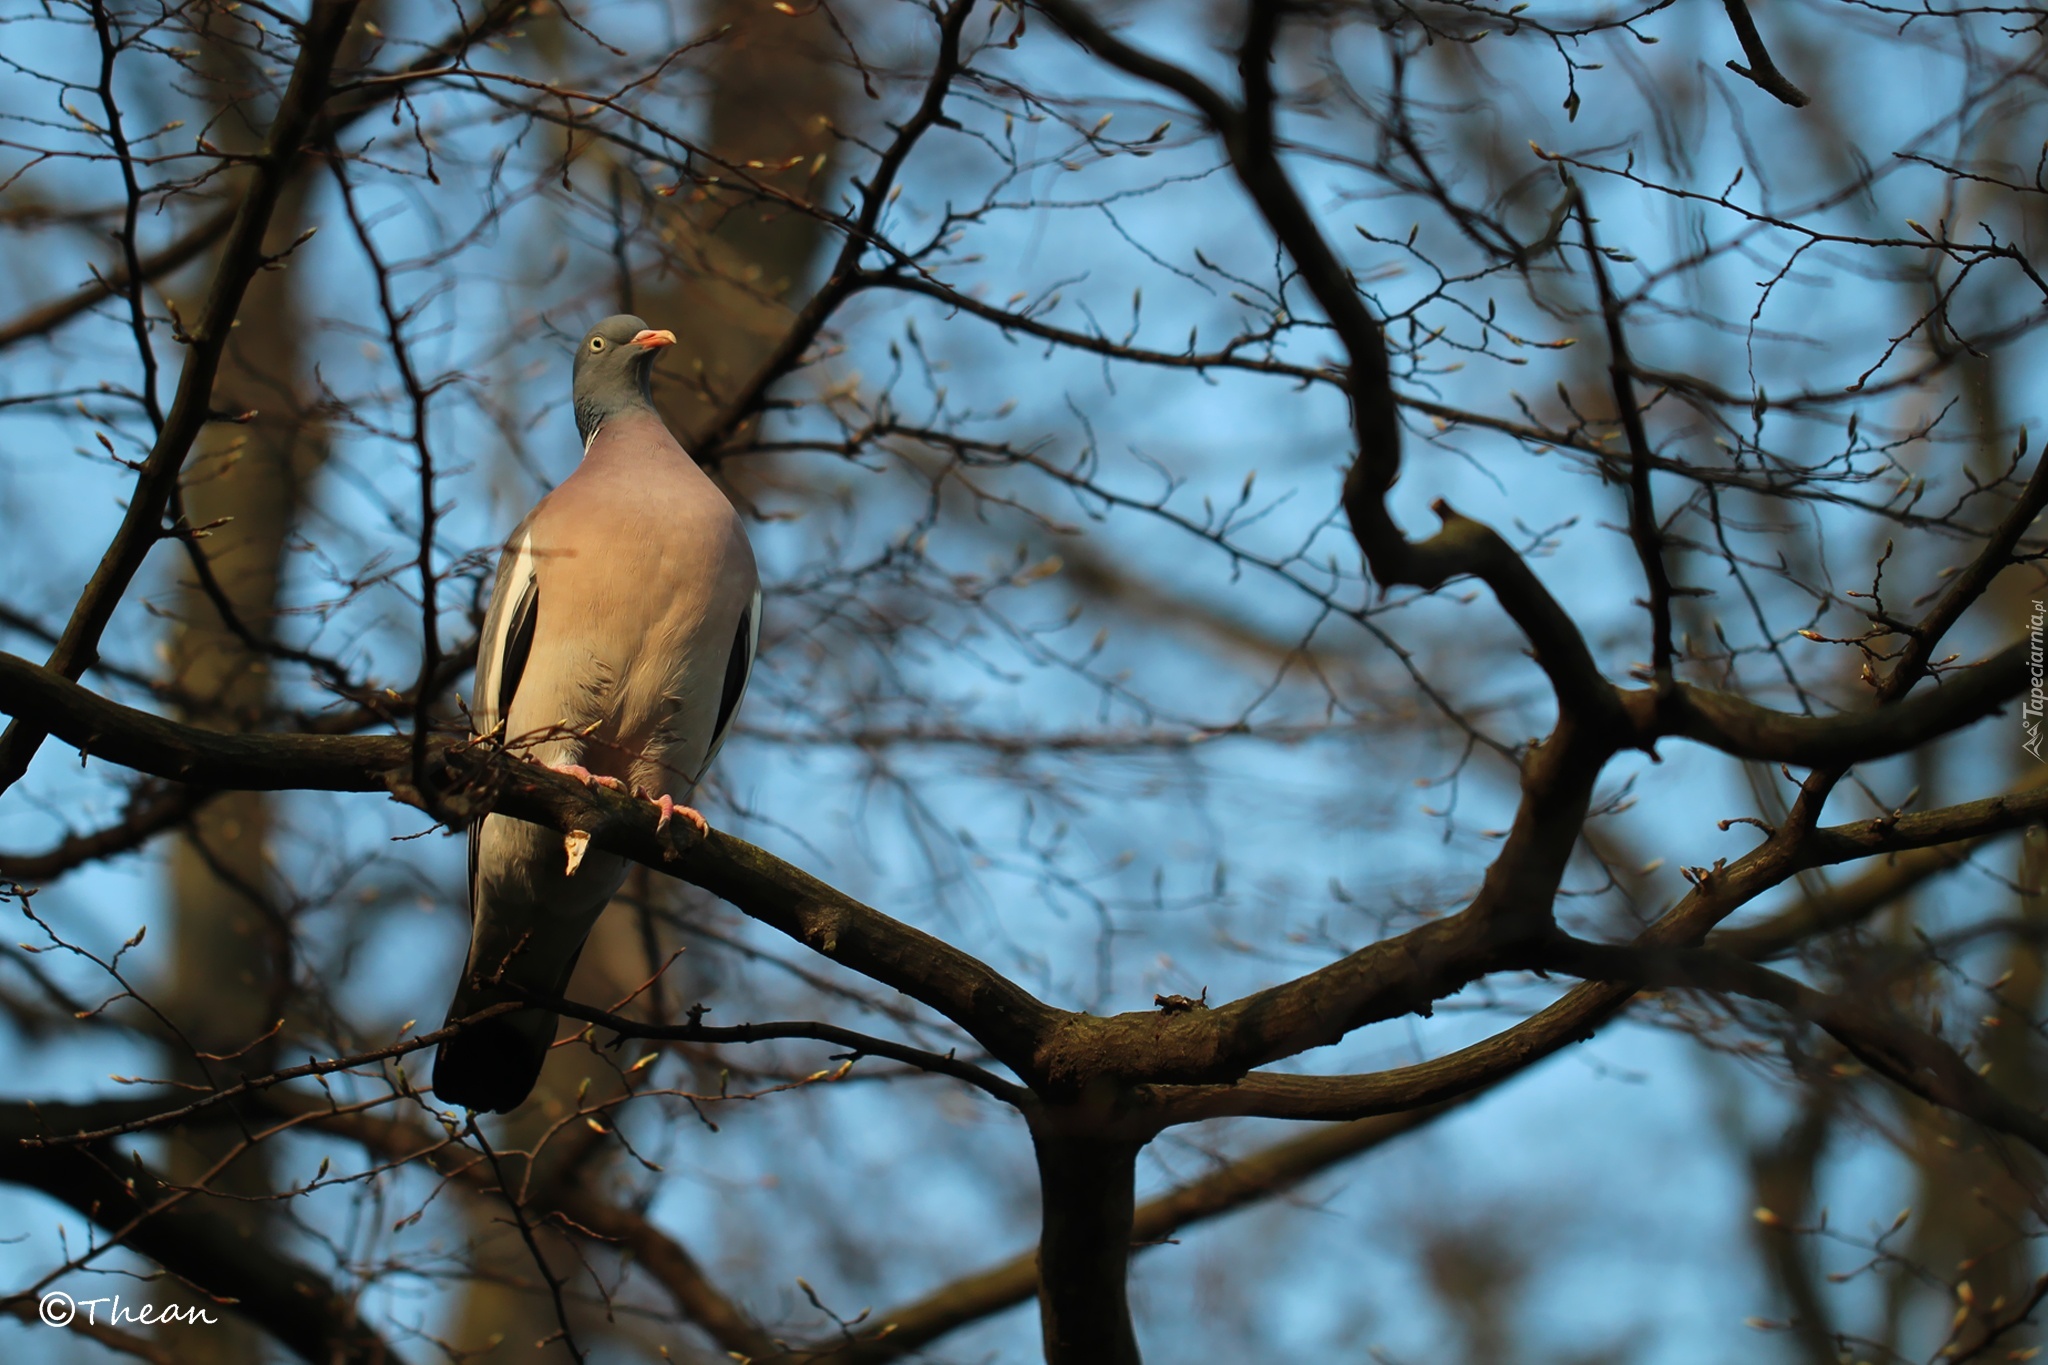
739 667
494 1064
502 652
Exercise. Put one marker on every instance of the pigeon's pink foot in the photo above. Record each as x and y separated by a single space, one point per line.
670 810
584 775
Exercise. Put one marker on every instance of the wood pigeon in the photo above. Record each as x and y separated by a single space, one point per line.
618 641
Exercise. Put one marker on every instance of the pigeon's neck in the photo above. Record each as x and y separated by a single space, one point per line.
628 434
593 415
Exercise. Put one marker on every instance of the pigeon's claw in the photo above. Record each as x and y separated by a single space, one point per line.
584 775
670 810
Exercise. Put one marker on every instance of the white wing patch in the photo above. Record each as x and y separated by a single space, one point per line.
515 583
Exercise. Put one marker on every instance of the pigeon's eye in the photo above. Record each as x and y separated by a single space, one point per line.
597 343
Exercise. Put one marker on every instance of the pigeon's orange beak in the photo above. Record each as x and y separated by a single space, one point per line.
653 340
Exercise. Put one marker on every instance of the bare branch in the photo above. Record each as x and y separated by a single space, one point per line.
1761 69
191 408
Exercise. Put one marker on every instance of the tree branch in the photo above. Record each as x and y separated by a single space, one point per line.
1248 1180
1046 1046
1762 71
472 779
1643 529
860 1044
194 241
286 1298
1574 1017
1462 546
846 277
1740 727
1084 1248
241 258
1916 1060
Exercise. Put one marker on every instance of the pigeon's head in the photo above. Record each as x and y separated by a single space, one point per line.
612 370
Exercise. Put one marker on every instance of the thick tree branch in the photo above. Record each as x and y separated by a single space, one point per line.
1401 975
1084 1248
1004 1017
1574 1017
1740 727
1510 913
156 807
1046 1046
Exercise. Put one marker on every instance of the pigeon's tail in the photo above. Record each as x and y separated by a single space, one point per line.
493 1065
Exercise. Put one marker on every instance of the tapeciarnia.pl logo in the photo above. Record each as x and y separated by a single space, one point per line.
2037 693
